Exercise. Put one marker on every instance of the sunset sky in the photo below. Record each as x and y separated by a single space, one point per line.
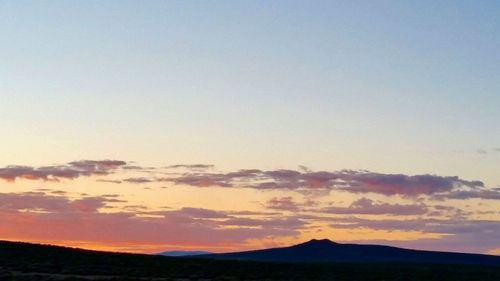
146 126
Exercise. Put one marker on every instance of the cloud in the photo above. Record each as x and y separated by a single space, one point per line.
197 213
42 217
135 167
71 170
478 236
487 151
443 226
482 151
305 181
389 184
109 181
99 166
138 180
204 180
89 219
289 204
215 179
47 203
366 206
492 194
450 212
345 180
190 166
275 223
283 203
105 219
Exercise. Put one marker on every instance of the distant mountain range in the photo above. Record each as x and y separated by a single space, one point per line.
182 253
329 251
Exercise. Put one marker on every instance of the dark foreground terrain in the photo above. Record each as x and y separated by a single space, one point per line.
20 261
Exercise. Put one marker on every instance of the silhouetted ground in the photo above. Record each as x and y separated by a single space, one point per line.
20 261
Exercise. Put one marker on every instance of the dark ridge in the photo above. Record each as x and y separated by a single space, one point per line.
317 243
183 253
328 251
27 262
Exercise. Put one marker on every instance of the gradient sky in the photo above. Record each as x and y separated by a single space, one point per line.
323 119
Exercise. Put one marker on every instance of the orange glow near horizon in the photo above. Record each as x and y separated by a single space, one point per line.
136 212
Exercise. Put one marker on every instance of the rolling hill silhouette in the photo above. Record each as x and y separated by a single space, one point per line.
26 262
329 251
182 253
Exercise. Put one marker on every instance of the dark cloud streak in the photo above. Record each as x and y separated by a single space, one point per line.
70 171
366 206
345 180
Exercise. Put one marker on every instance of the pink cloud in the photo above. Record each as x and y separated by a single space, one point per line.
42 217
283 203
346 180
304 180
366 206
71 170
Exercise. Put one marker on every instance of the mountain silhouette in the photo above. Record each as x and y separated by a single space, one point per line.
26 261
329 251
182 253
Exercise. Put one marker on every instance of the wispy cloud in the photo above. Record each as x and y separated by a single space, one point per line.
482 151
455 234
346 180
305 181
109 181
369 207
49 203
283 203
362 206
190 166
393 202
287 203
59 218
70 170
492 193
138 180
91 219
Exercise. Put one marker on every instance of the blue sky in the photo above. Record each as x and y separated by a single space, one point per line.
306 83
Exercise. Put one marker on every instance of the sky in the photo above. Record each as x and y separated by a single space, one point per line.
146 126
